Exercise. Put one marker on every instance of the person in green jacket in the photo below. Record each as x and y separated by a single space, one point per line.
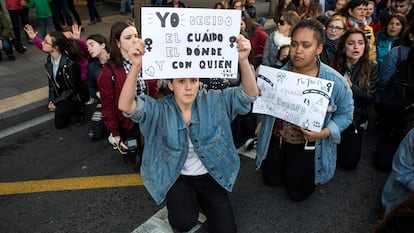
43 14
6 35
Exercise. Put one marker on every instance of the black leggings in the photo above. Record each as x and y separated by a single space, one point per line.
349 150
65 110
291 165
191 192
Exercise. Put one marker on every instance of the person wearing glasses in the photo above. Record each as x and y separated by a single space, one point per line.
390 35
336 26
67 94
279 37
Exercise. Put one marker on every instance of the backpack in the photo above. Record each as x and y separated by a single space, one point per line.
397 100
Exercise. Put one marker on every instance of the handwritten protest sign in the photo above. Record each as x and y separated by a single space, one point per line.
190 42
299 99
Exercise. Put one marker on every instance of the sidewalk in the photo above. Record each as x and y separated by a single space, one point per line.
23 83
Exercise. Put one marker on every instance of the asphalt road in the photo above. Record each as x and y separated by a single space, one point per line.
350 202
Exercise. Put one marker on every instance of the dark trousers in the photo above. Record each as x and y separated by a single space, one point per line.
349 150
291 165
65 110
56 14
93 13
188 194
74 12
18 19
64 4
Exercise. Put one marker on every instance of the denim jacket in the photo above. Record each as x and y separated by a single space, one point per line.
400 183
338 118
166 137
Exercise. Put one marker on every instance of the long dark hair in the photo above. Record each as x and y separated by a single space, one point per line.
405 40
65 46
400 18
100 39
339 59
116 31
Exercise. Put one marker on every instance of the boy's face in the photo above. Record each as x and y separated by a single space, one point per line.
185 89
402 7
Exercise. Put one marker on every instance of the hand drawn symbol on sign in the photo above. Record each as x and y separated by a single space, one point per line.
148 43
232 39
150 71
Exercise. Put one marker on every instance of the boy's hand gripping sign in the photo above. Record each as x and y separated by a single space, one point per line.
296 98
189 42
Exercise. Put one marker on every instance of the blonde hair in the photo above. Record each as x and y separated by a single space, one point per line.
338 18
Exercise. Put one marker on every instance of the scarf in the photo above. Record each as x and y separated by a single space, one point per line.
330 45
279 39
356 23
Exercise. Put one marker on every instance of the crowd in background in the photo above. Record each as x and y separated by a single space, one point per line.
368 43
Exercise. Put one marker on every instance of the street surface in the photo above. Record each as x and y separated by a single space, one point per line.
350 202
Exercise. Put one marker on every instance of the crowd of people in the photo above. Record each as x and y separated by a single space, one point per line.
365 47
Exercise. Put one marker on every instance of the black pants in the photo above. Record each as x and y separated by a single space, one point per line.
350 148
65 110
133 157
188 194
291 165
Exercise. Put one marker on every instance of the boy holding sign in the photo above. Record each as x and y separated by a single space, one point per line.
283 150
189 156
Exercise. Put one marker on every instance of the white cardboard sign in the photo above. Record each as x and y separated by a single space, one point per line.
189 42
299 99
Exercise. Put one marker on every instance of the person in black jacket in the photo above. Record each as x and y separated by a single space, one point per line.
66 91
396 105
98 48
351 59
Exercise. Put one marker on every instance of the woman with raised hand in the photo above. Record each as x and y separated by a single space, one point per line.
67 94
283 151
189 155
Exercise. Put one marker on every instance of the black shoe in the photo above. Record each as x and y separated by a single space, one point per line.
99 20
11 57
18 46
1 57
21 49
92 22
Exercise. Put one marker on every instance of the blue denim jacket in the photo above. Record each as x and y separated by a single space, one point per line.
400 183
166 137
338 118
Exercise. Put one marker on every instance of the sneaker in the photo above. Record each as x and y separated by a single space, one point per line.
92 22
90 101
99 20
250 144
111 141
